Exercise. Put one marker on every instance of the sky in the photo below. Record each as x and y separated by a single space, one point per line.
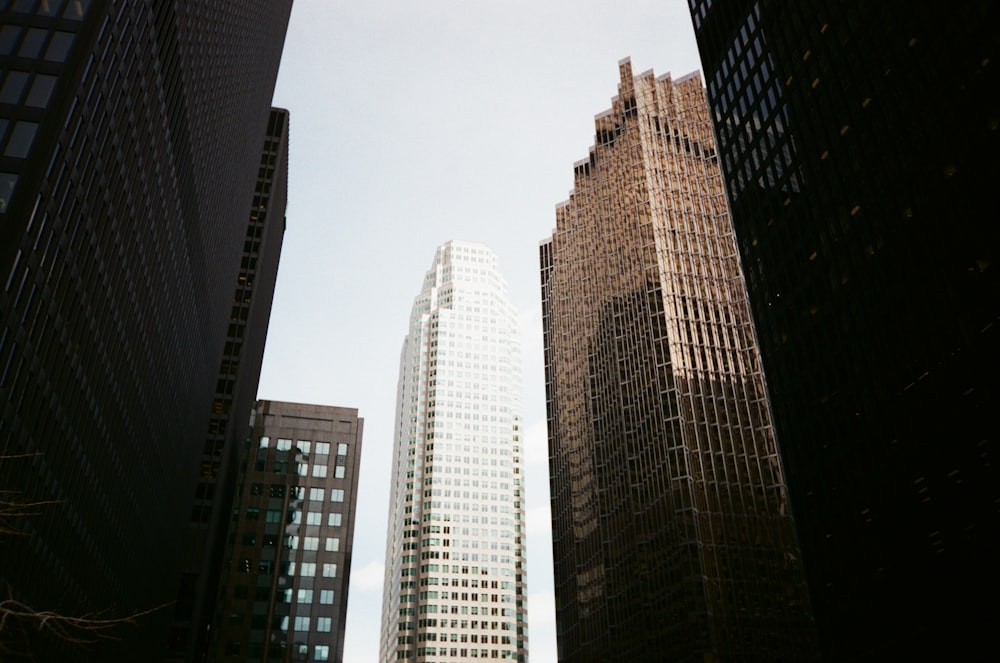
414 122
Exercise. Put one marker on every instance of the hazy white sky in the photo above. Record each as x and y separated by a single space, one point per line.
414 122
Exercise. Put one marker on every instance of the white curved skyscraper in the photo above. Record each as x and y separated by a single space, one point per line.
455 573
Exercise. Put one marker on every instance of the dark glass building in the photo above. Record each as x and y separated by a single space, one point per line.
672 535
860 149
130 146
288 559
235 394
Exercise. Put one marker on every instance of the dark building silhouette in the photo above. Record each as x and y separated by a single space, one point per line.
130 145
860 148
288 558
235 394
672 535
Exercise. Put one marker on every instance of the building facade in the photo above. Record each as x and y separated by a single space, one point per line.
235 393
130 141
859 144
455 573
287 572
672 533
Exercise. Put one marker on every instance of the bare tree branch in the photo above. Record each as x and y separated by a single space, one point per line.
19 622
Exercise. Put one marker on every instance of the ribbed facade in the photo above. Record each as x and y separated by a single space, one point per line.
672 533
235 393
130 141
455 573
860 143
288 560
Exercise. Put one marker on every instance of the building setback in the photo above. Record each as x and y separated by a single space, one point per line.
235 393
859 144
130 142
288 563
672 535
455 573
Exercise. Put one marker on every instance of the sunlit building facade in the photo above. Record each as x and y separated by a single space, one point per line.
455 574
859 142
288 563
672 534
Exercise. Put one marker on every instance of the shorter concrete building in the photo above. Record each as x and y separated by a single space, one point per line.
283 594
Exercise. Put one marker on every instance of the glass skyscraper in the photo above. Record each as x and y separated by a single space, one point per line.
859 142
672 533
455 574
130 152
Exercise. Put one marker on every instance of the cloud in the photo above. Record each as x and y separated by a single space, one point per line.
368 578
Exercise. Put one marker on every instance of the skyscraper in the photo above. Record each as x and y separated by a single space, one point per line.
285 585
455 574
130 141
672 535
235 393
859 144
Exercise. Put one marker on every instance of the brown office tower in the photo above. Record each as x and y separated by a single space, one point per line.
673 538
284 591
130 149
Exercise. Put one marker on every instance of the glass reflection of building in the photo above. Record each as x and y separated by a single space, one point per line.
859 143
455 576
672 535
285 580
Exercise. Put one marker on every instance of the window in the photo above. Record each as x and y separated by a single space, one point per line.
308 569
41 91
284 444
273 516
334 519
303 445
20 139
322 652
59 47
264 441
75 10
7 182
323 624
314 518
337 495
322 448
326 596
305 596
341 449
301 623
310 543
329 570
320 471
49 8
316 494
332 544
32 43
8 37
